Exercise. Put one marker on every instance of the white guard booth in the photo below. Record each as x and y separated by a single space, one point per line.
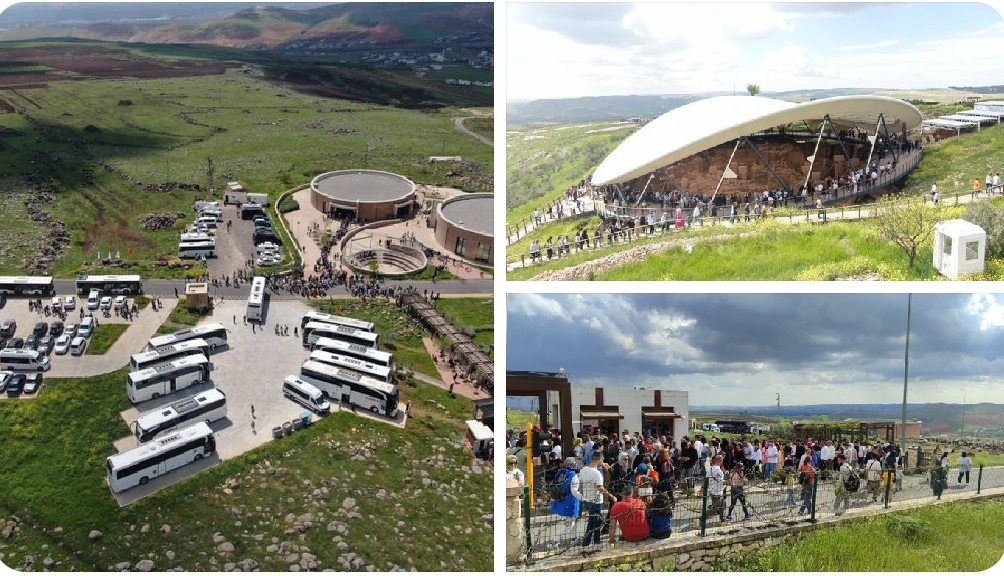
959 248
480 437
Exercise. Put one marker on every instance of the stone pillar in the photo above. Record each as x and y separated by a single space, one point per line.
515 536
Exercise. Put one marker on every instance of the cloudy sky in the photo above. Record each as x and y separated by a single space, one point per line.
730 349
557 50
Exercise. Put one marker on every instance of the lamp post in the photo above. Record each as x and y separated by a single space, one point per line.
906 372
778 410
963 434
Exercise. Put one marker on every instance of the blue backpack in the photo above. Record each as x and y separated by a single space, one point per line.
561 487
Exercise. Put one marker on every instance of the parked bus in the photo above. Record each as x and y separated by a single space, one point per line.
198 249
131 284
339 320
256 300
166 378
208 406
314 330
381 373
24 360
371 355
157 458
166 353
734 426
27 285
351 387
214 334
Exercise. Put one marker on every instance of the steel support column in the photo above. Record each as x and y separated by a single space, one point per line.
874 139
812 159
767 164
885 129
645 189
727 169
847 157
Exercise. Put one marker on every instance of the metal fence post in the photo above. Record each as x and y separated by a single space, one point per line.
815 484
526 522
888 485
979 479
704 506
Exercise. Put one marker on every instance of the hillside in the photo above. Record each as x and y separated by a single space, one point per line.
592 109
347 25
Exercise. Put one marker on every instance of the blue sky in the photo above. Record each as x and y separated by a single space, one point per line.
581 49
741 349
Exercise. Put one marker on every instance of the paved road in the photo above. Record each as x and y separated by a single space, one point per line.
164 288
460 126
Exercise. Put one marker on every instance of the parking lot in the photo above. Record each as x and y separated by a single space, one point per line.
234 247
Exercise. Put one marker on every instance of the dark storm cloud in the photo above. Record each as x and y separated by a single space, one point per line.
836 339
588 23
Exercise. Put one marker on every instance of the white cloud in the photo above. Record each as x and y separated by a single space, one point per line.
882 44
537 305
989 311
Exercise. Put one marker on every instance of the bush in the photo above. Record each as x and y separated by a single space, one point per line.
288 205
990 217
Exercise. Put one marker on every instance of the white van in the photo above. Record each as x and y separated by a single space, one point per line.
710 427
23 360
207 221
86 327
305 394
77 345
93 299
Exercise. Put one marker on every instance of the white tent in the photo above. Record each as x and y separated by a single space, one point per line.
959 248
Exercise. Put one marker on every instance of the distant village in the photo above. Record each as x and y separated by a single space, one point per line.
421 60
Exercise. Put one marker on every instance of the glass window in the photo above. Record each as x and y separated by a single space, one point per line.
461 246
483 253
948 245
972 250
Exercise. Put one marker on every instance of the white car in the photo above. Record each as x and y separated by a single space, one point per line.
106 303
62 344
121 302
69 303
57 303
70 330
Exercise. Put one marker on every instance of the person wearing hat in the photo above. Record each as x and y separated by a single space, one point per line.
563 501
513 472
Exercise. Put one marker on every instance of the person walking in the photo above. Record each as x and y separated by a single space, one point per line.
590 491
965 463
716 488
841 493
738 492
252 412
564 504
806 477
873 469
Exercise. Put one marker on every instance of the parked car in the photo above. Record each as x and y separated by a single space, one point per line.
70 330
3 300
120 302
7 328
86 327
33 383
15 342
57 303
5 377
69 303
45 344
31 342
16 385
40 329
106 303
56 329
62 344
78 345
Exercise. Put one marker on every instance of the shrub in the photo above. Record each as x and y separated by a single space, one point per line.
990 217
288 204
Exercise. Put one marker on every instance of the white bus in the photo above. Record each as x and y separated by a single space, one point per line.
339 320
27 285
351 387
166 378
166 353
256 300
139 465
198 249
214 334
24 360
208 406
127 284
371 355
381 373
314 330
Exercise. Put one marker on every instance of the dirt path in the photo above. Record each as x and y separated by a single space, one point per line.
460 126
446 375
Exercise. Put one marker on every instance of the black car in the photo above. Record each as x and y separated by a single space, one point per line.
57 329
8 328
33 383
3 300
261 236
16 385
40 329
45 344
15 342
31 342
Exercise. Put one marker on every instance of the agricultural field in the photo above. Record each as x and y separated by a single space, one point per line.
543 161
102 145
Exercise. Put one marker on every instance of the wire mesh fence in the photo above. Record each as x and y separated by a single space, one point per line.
558 523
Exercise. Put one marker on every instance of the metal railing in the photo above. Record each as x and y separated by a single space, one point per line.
558 530
553 211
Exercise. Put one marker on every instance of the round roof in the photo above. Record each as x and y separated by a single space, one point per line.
704 124
363 186
474 212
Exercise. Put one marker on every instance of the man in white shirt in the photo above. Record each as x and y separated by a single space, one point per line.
965 463
850 456
997 182
771 460
589 489
701 455
716 488
874 471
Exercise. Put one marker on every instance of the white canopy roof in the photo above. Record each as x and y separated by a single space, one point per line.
949 123
981 113
704 124
959 228
963 118
479 431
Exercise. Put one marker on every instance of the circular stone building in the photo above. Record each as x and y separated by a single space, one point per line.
464 226
366 195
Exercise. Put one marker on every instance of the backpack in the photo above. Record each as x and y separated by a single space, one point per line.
803 478
560 487
852 483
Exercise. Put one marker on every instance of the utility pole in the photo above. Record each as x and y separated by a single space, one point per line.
778 410
906 372
963 435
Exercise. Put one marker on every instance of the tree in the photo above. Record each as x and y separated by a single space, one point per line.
990 217
753 89
907 222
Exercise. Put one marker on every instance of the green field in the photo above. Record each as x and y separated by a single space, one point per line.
104 336
266 135
542 162
54 479
472 315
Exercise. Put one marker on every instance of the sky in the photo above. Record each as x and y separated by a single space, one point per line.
741 349
562 50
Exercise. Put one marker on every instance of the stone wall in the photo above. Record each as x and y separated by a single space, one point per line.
515 536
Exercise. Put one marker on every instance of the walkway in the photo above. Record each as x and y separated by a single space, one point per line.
564 206
460 126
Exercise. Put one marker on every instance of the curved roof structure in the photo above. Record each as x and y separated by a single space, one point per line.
363 186
704 124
